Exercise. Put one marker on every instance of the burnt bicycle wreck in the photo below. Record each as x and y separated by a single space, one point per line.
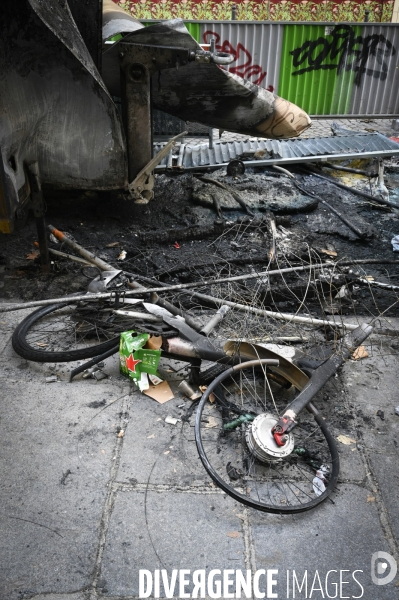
253 434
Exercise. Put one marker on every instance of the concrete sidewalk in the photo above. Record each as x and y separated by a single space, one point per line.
85 508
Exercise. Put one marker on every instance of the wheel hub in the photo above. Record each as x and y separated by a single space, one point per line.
261 442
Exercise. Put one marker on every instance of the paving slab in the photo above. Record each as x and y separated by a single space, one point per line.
385 469
169 530
159 453
56 455
339 536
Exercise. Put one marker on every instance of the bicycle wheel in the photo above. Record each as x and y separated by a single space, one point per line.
233 433
70 331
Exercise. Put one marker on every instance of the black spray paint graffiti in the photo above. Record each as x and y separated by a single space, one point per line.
362 55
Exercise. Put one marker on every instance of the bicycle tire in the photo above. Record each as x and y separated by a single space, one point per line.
26 348
281 486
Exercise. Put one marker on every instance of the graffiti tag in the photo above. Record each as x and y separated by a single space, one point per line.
245 69
353 53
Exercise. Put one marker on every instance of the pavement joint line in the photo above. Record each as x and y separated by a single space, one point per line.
120 486
373 486
110 498
348 481
154 487
5 347
383 514
249 545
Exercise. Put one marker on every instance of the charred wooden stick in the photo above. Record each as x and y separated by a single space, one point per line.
361 233
197 232
234 194
71 257
273 230
349 170
217 206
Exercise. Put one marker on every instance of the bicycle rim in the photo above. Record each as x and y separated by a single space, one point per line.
67 332
242 457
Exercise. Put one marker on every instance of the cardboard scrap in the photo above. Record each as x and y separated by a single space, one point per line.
211 423
370 498
344 439
161 392
135 360
360 353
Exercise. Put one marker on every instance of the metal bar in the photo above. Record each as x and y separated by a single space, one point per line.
215 320
101 264
355 191
184 286
70 257
136 111
93 361
291 160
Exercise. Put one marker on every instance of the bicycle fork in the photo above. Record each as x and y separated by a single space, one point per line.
318 379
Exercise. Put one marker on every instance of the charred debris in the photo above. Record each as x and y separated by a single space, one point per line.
242 291
324 233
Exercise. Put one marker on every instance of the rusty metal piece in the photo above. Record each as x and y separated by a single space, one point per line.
286 369
215 320
141 187
38 212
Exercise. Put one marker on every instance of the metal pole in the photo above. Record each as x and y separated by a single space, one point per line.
38 211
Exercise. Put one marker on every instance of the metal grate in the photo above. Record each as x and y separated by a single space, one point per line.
194 156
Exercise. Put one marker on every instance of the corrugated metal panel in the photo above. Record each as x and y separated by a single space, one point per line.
280 152
378 90
257 47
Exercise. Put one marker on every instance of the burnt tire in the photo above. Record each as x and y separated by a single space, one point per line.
35 338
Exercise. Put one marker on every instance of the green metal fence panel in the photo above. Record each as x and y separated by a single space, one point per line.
311 71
